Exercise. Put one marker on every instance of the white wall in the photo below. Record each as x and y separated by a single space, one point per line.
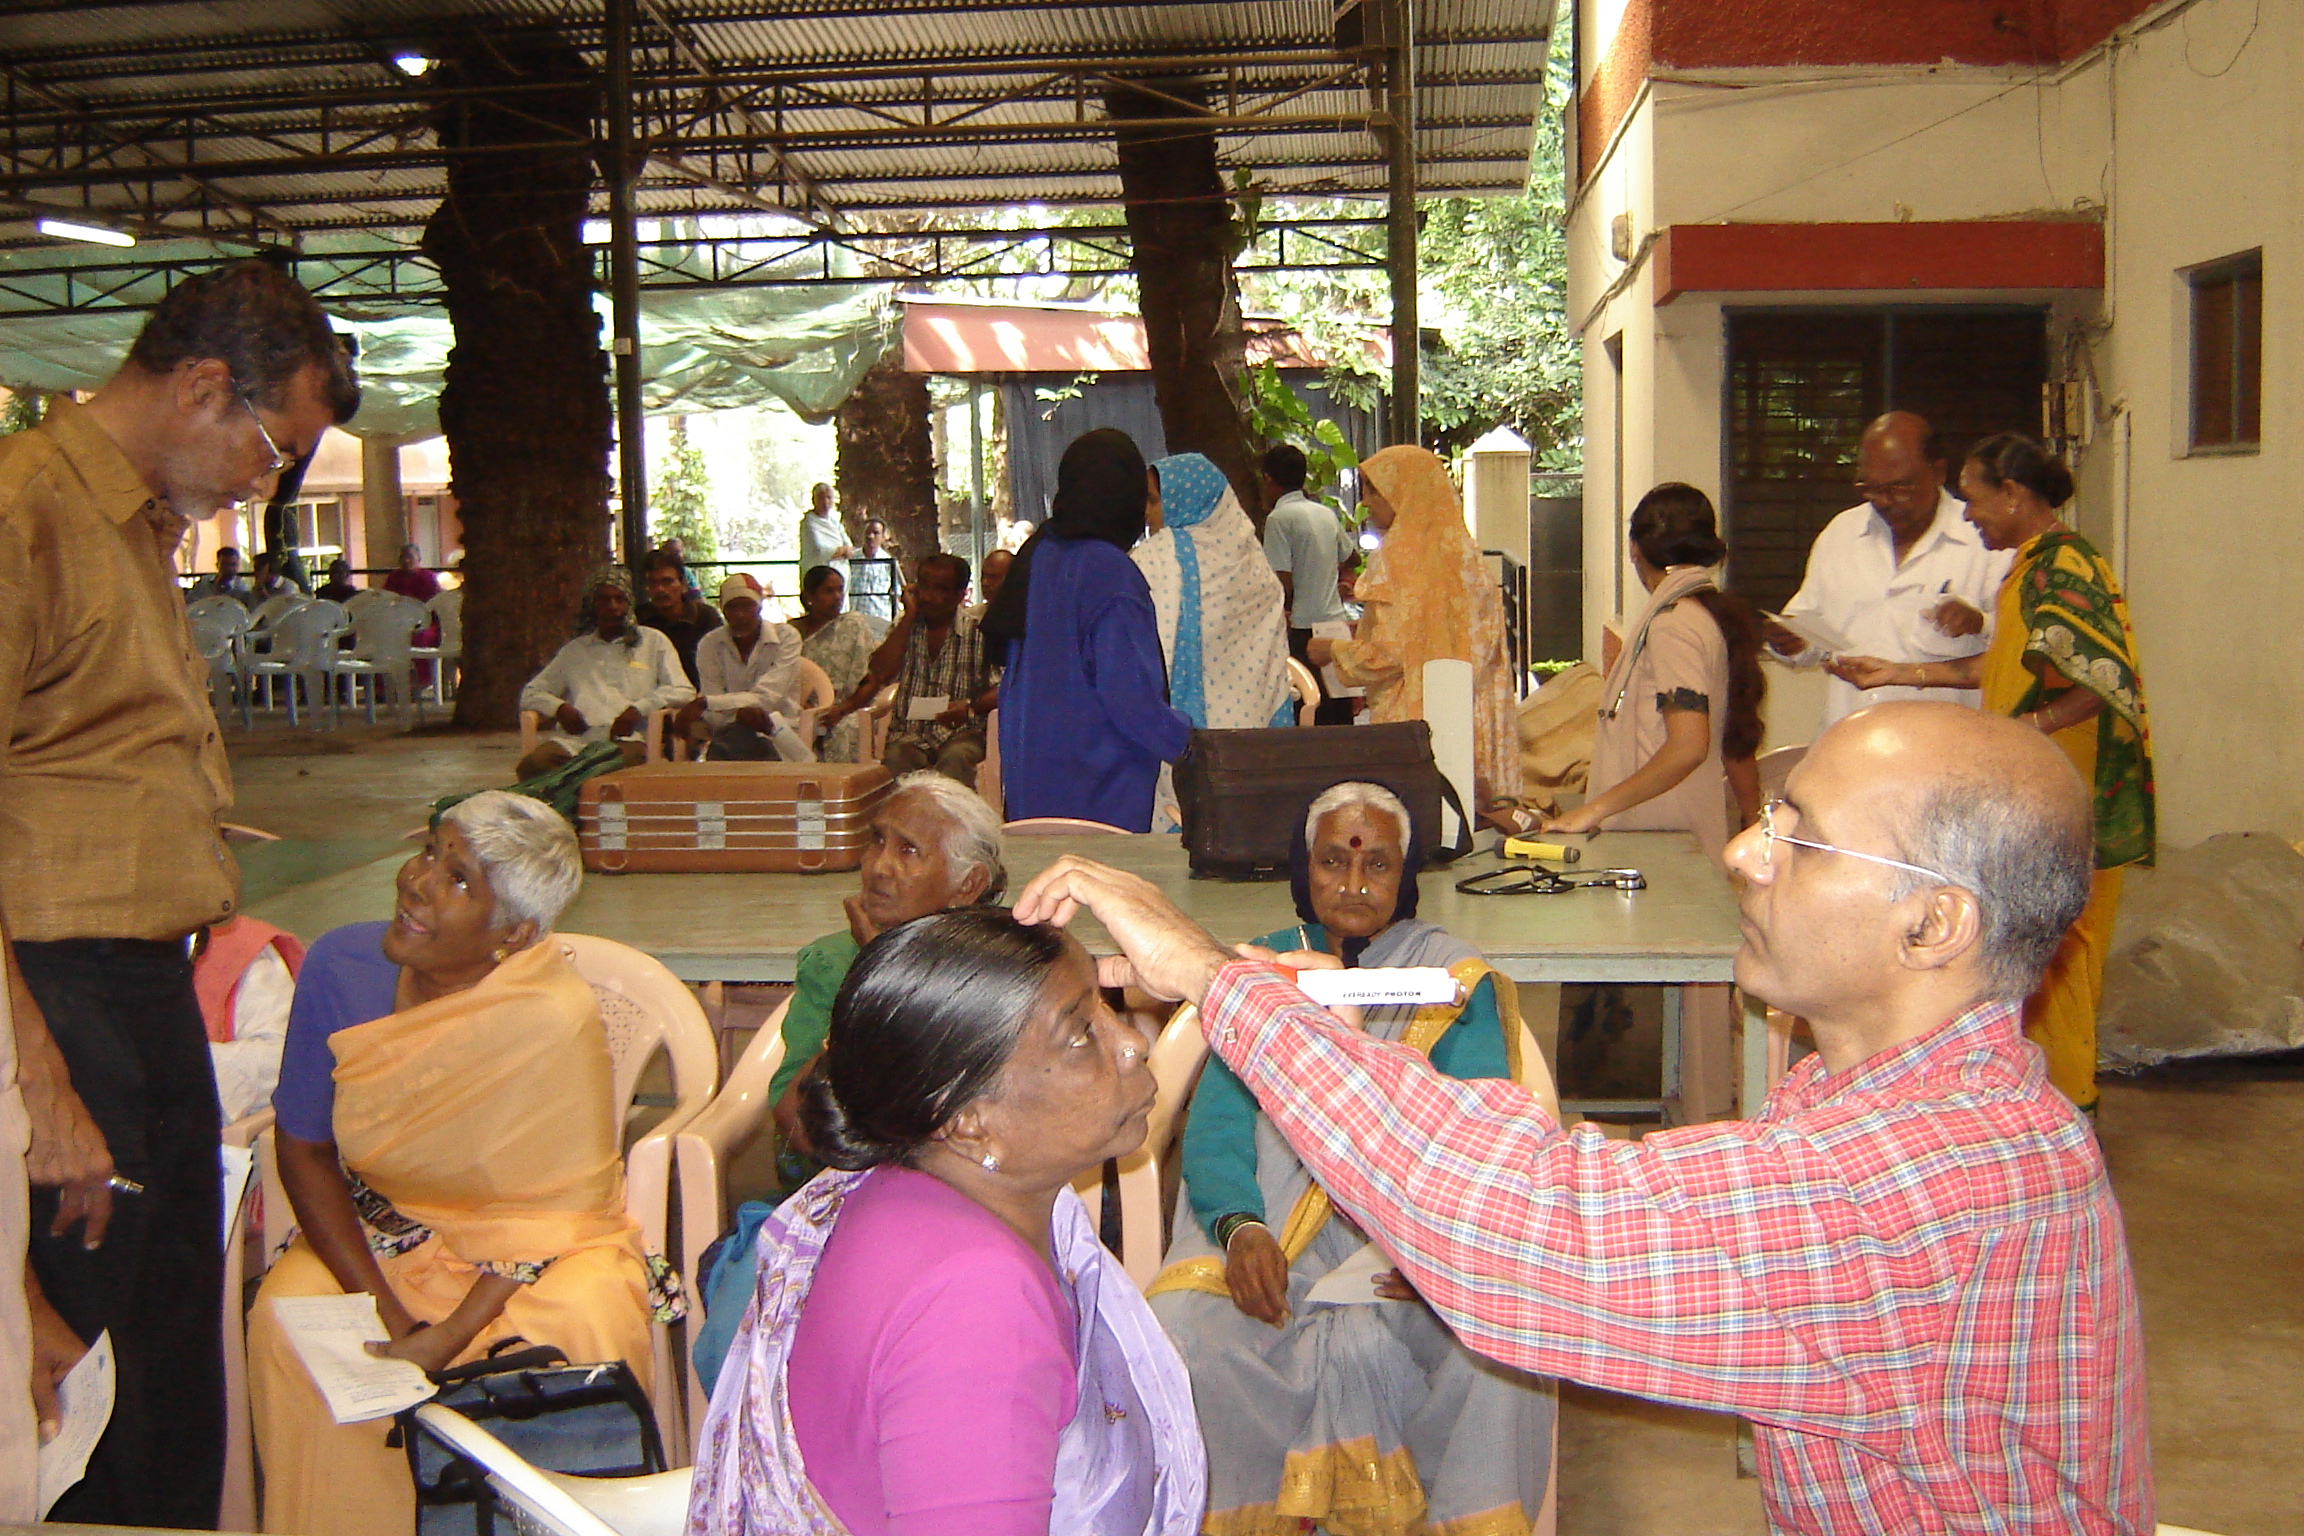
2201 168
2187 138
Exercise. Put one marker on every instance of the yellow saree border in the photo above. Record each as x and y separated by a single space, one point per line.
1312 1209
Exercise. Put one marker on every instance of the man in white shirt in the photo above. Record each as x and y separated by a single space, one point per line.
1902 576
822 539
1306 546
604 684
749 674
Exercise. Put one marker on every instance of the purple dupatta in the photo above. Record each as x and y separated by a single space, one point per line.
1130 1463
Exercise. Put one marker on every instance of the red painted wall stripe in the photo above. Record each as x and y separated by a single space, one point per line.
1779 258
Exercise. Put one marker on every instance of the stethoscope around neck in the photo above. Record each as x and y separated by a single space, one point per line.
1639 644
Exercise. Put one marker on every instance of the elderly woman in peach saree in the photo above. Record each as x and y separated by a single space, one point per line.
1426 597
447 1138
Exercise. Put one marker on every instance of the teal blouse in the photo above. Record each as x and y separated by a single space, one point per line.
1220 1130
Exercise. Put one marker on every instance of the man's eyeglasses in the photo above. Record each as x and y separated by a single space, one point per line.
1888 490
280 461
1770 837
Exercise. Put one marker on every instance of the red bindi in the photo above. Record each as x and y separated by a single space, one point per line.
1355 842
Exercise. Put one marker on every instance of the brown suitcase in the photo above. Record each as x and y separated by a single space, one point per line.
1243 793
690 818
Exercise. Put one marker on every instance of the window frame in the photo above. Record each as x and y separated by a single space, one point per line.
2225 281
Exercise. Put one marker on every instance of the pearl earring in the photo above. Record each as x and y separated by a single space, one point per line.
503 953
991 1163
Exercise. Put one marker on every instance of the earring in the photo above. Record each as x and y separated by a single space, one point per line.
503 953
991 1163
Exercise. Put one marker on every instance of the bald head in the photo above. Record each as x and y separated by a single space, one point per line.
1987 804
1900 473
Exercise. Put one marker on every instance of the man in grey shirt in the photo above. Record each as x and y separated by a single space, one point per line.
1306 545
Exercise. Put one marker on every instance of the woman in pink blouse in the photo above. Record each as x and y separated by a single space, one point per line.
973 1361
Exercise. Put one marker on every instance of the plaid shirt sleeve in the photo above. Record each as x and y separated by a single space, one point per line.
1736 1266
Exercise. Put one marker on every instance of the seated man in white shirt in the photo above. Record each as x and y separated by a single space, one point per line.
1902 575
749 674
604 684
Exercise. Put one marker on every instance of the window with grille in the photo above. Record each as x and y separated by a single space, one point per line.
2228 354
1802 385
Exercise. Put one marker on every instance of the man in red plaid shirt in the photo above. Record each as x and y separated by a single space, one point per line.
1908 1271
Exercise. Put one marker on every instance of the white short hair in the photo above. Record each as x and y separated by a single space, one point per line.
1342 797
975 842
528 852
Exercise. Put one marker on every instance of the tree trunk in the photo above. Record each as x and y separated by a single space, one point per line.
1180 228
525 406
887 464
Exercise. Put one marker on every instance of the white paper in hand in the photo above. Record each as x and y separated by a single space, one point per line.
1813 632
926 706
1353 1282
331 1335
85 1396
1378 986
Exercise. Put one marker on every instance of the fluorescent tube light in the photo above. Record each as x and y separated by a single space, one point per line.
94 234
413 65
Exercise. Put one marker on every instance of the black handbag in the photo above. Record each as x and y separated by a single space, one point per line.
589 1420
1243 793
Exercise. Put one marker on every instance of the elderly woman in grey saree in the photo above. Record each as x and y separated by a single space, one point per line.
1362 1414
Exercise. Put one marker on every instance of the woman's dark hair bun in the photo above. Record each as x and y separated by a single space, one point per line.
1674 524
838 1144
2007 457
925 1020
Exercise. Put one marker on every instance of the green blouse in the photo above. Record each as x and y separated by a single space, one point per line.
1220 1130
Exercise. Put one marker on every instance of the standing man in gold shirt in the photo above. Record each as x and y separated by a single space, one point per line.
111 783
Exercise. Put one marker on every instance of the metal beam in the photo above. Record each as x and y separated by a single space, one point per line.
1400 225
624 286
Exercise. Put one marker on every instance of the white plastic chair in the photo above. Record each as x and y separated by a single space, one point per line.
218 625
362 598
532 726
872 736
309 631
238 1509
384 626
275 608
560 1505
816 696
1061 826
701 1153
447 652
646 1008
988 771
1306 687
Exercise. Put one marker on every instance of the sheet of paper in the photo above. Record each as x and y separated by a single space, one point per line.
239 1162
926 706
1351 1283
1336 629
1379 986
1814 631
330 1335
85 1394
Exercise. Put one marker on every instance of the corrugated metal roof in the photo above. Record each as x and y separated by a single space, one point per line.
289 112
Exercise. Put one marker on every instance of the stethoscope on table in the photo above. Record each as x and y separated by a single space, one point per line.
1529 878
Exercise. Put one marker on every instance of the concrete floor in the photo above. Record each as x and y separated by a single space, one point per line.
2205 1159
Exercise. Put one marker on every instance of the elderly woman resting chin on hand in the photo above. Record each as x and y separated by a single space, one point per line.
447 1138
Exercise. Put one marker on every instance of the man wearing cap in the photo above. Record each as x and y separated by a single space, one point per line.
748 674
603 685
111 783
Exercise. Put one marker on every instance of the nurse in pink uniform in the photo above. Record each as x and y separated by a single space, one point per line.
938 1344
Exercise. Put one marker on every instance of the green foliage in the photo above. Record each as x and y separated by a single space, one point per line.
1276 415
682 506
24 409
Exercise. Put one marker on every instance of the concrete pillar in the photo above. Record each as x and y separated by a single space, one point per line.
1496 506
383 509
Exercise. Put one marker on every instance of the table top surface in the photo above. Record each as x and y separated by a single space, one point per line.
1682 928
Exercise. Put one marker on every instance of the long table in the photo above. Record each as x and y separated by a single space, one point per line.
751 928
